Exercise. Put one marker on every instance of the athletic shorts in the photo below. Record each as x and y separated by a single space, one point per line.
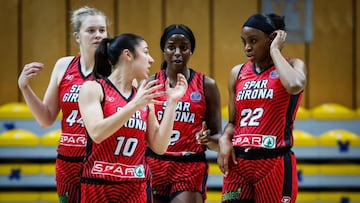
173 175
67 180
261 177
124 192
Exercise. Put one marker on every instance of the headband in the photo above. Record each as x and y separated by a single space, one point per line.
267 28
177 31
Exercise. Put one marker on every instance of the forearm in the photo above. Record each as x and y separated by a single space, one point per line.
292 80
165 129
102 129
40 111
228 132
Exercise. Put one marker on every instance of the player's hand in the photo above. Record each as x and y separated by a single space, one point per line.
148 92
279 40
203 136
29 71
225 153
179 90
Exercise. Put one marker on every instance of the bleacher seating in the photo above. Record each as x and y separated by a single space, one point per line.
326 143
51 139
19 138
303 113
331 111
15 110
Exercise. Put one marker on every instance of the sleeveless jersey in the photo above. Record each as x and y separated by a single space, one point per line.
121 156
73 138
265 111
190 112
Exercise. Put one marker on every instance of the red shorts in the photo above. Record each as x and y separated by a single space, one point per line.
68 180
124 192
173 177
270 180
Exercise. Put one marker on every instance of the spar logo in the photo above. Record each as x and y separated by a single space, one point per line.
73 140
118 170
253 140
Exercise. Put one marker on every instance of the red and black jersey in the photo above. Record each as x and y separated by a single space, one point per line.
265 111
73 138
121 156
189 115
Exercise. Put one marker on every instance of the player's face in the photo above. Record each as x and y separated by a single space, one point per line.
142 61
256 44
92 31
177 51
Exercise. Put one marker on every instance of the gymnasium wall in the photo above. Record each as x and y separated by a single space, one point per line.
39 30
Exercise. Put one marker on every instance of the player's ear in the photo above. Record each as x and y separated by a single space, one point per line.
272 36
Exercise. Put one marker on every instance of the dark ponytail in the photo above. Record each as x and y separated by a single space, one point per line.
109 51
103 65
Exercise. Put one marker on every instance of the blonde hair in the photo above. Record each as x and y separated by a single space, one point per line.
79 14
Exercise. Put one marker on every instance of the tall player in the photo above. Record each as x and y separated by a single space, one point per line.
69 73
265 93
180 174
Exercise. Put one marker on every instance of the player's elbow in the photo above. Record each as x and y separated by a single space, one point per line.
295 87
96 138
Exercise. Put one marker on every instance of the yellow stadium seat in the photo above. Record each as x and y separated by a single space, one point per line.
303 197
49 197
18 138
15 110
340 169
358 112
304 139
26 169
335 197
214 169
48 169
225 113
59 115
307 197
51 139
213 196
331 111
308 169
331 138
302 113
17 196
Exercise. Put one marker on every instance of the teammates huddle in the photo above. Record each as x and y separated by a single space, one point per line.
146 143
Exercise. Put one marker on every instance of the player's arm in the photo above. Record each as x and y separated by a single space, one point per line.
213 113
292 72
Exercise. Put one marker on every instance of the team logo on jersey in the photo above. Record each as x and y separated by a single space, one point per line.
274 74
73 140
195 96
243 76
140 171
110 99
253 140
69 77
118 170
269 142
285 199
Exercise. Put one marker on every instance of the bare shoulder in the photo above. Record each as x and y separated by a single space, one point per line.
62 64
90 84
209 82
236 68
